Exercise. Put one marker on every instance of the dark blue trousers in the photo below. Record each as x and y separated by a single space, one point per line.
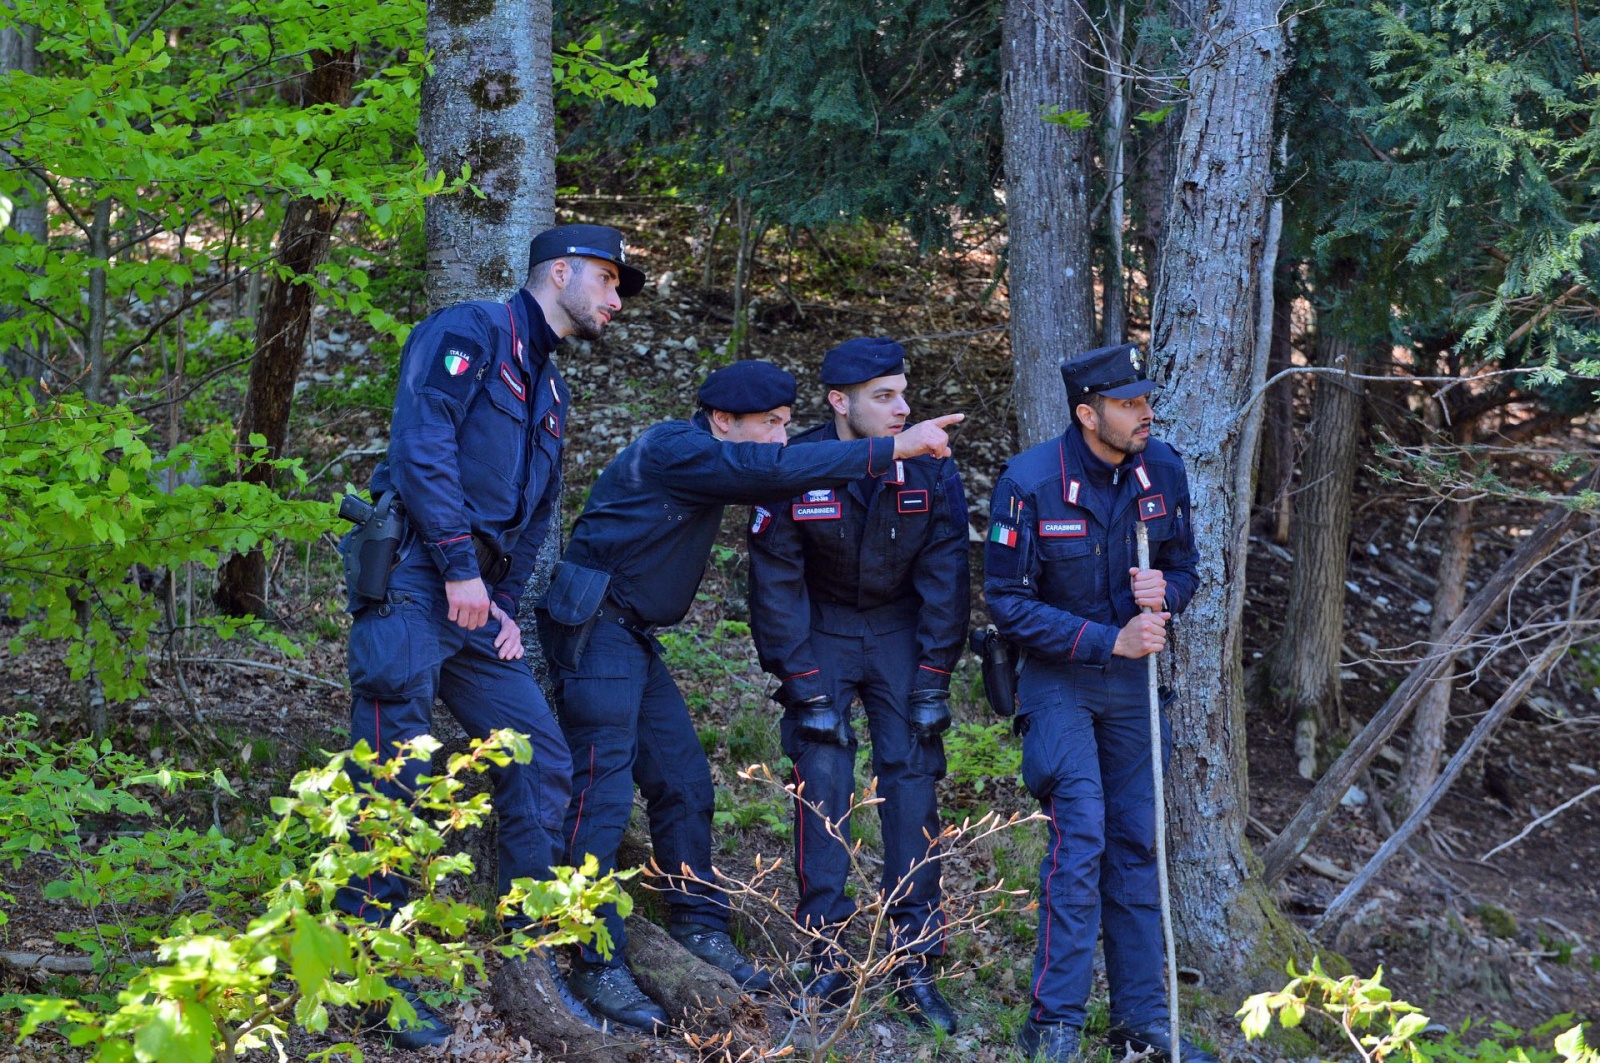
1086 757
403 654
627 724
880 670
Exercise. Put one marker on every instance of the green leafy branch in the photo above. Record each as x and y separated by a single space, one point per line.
1380 1027
221 985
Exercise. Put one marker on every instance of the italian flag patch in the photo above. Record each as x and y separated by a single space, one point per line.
456 363
1003 534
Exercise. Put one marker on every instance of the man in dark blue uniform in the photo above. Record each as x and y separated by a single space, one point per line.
474 458
864 591
1063 583
646 534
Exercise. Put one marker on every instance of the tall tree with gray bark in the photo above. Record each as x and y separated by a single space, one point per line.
1048 163
1204 341
488 104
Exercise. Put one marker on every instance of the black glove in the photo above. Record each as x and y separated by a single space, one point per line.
928 712
819 721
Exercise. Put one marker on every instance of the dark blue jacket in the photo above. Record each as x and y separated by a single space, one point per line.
653 514
1057 557
877 555
475 443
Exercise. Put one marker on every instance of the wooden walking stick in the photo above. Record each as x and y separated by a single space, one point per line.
1158 776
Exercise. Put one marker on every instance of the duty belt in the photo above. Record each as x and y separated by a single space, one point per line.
612 613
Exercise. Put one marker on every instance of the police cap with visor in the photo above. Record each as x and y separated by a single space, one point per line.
590 241
859 360
1115 372
748 387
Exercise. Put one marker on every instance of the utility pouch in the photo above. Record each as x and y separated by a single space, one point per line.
369 550
492 564
997 660
573 604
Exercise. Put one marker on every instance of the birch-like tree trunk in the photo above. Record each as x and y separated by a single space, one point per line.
1303 670
1047 167
281 326
488 104
1204 341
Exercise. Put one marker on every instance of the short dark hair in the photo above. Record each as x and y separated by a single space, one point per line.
541 270
850 391
1095 401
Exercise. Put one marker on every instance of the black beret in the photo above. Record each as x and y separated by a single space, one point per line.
590 241
859 360
748 387
1115 372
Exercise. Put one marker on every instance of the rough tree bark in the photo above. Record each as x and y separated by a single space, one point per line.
281 325
1047 170
1303 670
1425 744
1204 342
488 103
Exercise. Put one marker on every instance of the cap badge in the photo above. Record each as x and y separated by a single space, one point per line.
1134 360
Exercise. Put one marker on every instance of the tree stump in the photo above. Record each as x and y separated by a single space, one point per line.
526 998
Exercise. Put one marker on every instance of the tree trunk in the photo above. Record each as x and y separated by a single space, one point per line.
1047 206
1303 670
281 326
488 103
1308 820
527 1001
19 53
1425 747
1154 150
1204 342
689 988
1277 438
1114 316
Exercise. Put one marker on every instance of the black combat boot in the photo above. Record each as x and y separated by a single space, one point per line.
917 993
1156 1038
717 948
612 995
831 986
427 1030
1048 1042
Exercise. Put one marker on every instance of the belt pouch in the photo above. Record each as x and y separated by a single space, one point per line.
573 604
492 564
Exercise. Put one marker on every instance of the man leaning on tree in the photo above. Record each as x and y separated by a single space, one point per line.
1063 584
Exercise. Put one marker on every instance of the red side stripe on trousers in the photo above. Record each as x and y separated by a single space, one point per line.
1055 863
581 799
